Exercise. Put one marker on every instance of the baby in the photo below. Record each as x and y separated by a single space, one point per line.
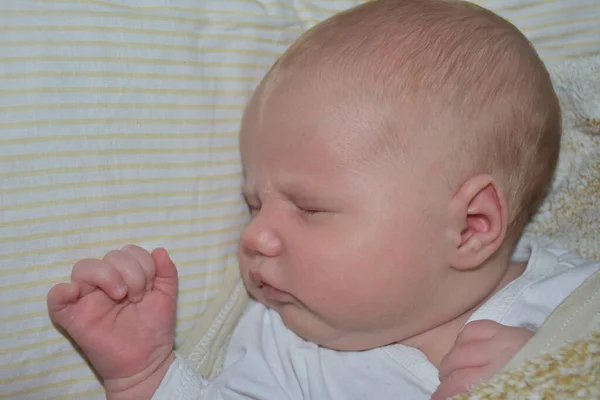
392 158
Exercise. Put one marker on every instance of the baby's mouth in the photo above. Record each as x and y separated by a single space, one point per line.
273 294
270 293
255 278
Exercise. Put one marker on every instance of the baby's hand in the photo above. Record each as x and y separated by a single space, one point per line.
121 312
481 349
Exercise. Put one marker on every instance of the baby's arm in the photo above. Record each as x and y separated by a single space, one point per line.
120 310
481 349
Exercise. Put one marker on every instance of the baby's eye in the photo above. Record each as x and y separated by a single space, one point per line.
253 209
252 203
309 210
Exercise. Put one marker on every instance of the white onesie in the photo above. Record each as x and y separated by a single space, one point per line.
267 361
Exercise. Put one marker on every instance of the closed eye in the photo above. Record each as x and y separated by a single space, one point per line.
310 211
253 208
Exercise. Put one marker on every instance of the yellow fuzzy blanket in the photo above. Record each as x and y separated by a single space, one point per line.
561 362
571 372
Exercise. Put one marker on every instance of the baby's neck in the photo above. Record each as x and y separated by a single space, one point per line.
437 342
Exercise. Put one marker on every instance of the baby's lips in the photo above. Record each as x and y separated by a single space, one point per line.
255 277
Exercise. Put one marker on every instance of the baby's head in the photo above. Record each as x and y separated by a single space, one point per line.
392 157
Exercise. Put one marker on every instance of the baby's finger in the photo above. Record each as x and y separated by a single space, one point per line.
460 381
478 330
461 356
130 271
60 296
91 274
145 260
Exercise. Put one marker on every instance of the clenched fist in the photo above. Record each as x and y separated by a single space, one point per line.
121 311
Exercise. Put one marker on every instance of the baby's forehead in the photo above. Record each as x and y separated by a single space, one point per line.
312 110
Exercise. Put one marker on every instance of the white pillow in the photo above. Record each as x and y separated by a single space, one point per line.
118 124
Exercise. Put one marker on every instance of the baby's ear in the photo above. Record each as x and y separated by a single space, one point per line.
480 214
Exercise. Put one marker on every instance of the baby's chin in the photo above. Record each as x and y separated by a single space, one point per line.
310 328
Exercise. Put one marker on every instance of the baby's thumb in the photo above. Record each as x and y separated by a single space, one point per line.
60 297
166 273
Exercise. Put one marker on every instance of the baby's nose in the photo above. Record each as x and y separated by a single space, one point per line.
259 239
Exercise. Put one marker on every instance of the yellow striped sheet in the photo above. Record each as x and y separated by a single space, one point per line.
180 19
560 24
32 299
581 9
14 318
303 7
110 152
132 226
122 136
119 124
83 199
549 38
231 38
121 167
578 55
54 370
189 318
563 46
137 121
332 4
215 286
568 28
105 74
110 244
22 348
63 263
516 6
220 259
36 360
24 332
122 212
154 91
133 60
142 7
29 391
86 394
185 332
155 46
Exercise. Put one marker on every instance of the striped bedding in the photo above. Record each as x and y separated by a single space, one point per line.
118 124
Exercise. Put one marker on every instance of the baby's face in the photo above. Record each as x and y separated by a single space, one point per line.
340 245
